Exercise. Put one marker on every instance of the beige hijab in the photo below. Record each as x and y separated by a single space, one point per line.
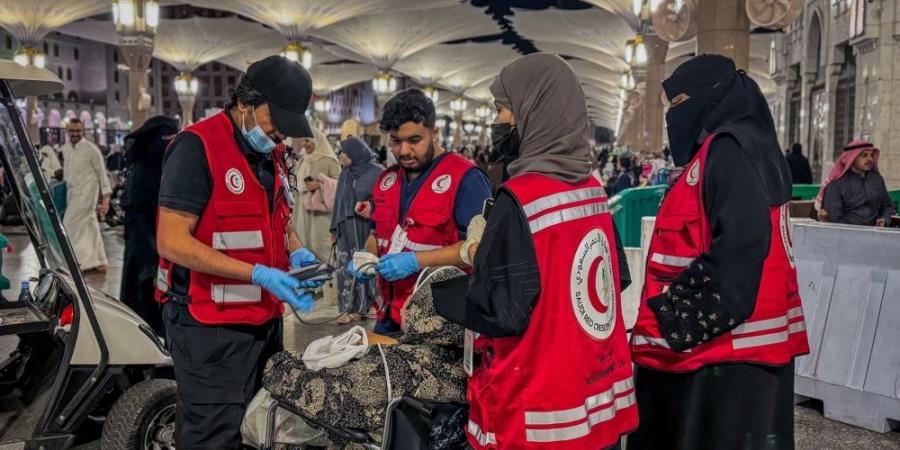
323 150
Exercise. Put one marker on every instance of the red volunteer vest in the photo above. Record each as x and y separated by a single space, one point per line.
566 383
429 222
237 222
774 334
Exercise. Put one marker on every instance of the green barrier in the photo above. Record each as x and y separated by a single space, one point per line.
895 195
630 206
805 191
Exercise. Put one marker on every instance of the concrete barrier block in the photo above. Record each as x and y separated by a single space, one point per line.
849 280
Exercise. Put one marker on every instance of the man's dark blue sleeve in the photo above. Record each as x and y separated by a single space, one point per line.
474 189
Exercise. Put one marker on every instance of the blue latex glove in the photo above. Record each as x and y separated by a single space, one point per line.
398 266
360 276
283 286
302 257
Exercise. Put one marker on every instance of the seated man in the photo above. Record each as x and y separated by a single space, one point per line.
426 363
854 193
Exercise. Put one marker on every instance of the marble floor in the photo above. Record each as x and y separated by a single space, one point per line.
813 430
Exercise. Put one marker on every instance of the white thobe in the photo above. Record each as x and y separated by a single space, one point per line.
86 180
49 162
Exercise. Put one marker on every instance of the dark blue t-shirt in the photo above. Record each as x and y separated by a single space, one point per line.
474 189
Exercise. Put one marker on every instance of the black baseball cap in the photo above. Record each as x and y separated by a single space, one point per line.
287 87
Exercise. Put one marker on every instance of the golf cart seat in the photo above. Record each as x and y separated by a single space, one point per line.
409 424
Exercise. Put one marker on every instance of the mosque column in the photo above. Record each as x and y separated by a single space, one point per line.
724 28
137 54
657 48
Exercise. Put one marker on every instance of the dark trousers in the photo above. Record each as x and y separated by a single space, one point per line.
218 370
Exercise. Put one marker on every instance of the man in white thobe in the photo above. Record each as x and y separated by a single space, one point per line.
85 173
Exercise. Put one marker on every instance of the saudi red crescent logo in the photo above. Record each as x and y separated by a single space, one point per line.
234 181
441 184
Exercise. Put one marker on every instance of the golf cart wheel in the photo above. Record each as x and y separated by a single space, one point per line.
143 418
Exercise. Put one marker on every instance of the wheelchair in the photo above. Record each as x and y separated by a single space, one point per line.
409 424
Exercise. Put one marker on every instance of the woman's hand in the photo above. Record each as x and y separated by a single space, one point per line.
312 185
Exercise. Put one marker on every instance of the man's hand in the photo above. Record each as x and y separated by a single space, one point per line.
364 209
302 257
103 209
282 286
398 266
881 223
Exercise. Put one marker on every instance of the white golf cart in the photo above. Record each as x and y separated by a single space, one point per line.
85 367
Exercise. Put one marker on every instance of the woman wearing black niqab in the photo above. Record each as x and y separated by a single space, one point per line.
733 396
144 151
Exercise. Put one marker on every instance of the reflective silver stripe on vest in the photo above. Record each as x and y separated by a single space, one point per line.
579 412
647 340
584 428
417 247
237 240
562 198
383 242
797 327
795 312
236 293
759 341
162 279
480 436
566 215
760 325
671 260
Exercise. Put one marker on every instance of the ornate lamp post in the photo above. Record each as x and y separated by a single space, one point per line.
432 93
136 22
31 56
384 83
482 112
458 105
322 106
295 51
187 86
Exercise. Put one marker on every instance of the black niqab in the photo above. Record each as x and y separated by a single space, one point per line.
724 100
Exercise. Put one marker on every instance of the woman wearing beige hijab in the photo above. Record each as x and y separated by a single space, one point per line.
311 219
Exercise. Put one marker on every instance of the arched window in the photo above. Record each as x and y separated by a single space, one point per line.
69 73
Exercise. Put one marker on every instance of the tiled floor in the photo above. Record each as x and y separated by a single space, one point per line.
813 431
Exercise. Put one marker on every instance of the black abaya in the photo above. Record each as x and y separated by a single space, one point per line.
144 153
752 408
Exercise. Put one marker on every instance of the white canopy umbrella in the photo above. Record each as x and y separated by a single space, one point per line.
243 59
331 77
385 38
29 21
189 43
296 18
594 28
440 62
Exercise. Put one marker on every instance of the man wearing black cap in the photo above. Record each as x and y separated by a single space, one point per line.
224 245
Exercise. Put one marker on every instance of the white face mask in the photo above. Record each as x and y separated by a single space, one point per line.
258 140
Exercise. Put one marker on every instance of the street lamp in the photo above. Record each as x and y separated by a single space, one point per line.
431 93
132 16
384 83
483 112
635 51
30 56
628 80
296 52
458 105
136 22
187 86
322 106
